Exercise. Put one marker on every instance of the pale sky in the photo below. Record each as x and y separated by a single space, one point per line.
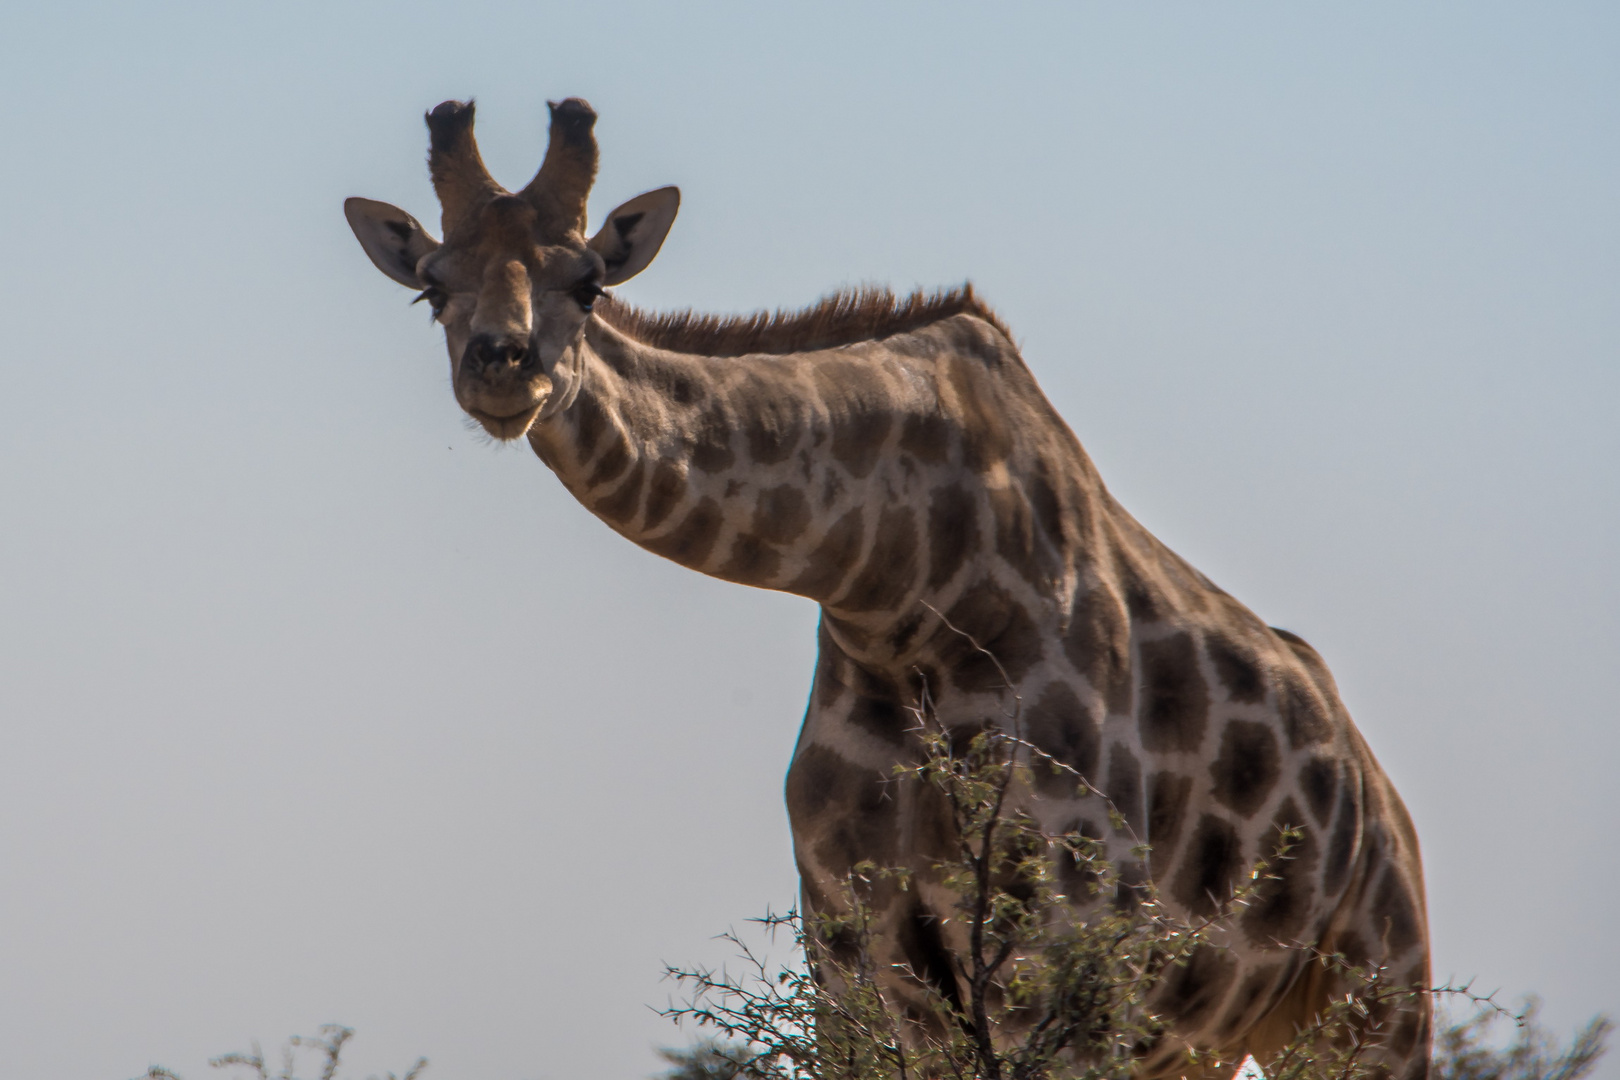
317 706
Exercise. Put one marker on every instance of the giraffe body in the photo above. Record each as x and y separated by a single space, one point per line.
897 463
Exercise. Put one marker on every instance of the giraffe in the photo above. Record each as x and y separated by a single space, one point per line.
895 461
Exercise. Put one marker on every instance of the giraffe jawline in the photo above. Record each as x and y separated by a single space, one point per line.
507 428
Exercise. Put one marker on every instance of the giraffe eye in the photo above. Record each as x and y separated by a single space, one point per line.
436 297
586 292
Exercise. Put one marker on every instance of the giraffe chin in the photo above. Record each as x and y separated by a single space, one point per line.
507 428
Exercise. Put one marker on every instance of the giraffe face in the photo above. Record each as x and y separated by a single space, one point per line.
514 280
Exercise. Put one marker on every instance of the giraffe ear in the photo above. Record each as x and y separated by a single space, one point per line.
392 238
634 232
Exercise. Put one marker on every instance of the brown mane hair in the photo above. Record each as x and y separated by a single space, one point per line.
842 318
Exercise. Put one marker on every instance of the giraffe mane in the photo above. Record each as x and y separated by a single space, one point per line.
845 317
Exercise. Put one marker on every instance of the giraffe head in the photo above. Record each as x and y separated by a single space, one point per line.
515 276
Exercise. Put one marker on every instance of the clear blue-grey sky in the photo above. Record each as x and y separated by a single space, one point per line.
317 706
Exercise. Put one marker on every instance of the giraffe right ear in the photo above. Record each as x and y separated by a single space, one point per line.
392 238
633 233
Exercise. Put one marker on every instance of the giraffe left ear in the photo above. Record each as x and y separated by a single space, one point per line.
393 239
634 232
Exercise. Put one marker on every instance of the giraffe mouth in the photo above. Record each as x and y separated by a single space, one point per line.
507 428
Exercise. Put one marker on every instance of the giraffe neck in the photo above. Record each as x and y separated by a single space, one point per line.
894 482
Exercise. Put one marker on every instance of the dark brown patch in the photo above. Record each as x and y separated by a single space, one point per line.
781 514
690 542
1245 770
1285 900
611 463
1251 998
1124 788
882 717
1098 644
1192 990
620 505
1318 782
1141 600
953 532
923 946
840 319
711 443
589 424
1210 866
987 437
1167 807
839 547
681 388
926 437
752 561
1175 701
1001 627
664 491
1394 914
846 809
1305 716
1059 725
858 441
1043 500
860 425
772 433
904 632
890 567
1342 842
1237 668
1352 948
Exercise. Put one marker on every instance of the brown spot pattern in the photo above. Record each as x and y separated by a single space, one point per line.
847 808
832 557
1001 627
781 514
858 438
711 443
1167 807
1305 716
664 491
1061 726
1191 991
690 542
890 567
1283 901
1124 788
1245 770
1342 841
953 532
612 462
926 436
1175 701
1209 866
620 505
772 433
1318 781
1237 668
752 561
1098 644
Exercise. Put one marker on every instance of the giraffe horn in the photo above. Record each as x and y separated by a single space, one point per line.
460 179
562 185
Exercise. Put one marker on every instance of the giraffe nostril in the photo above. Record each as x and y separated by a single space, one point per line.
494 355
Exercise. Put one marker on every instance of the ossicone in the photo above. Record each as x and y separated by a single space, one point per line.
459 177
